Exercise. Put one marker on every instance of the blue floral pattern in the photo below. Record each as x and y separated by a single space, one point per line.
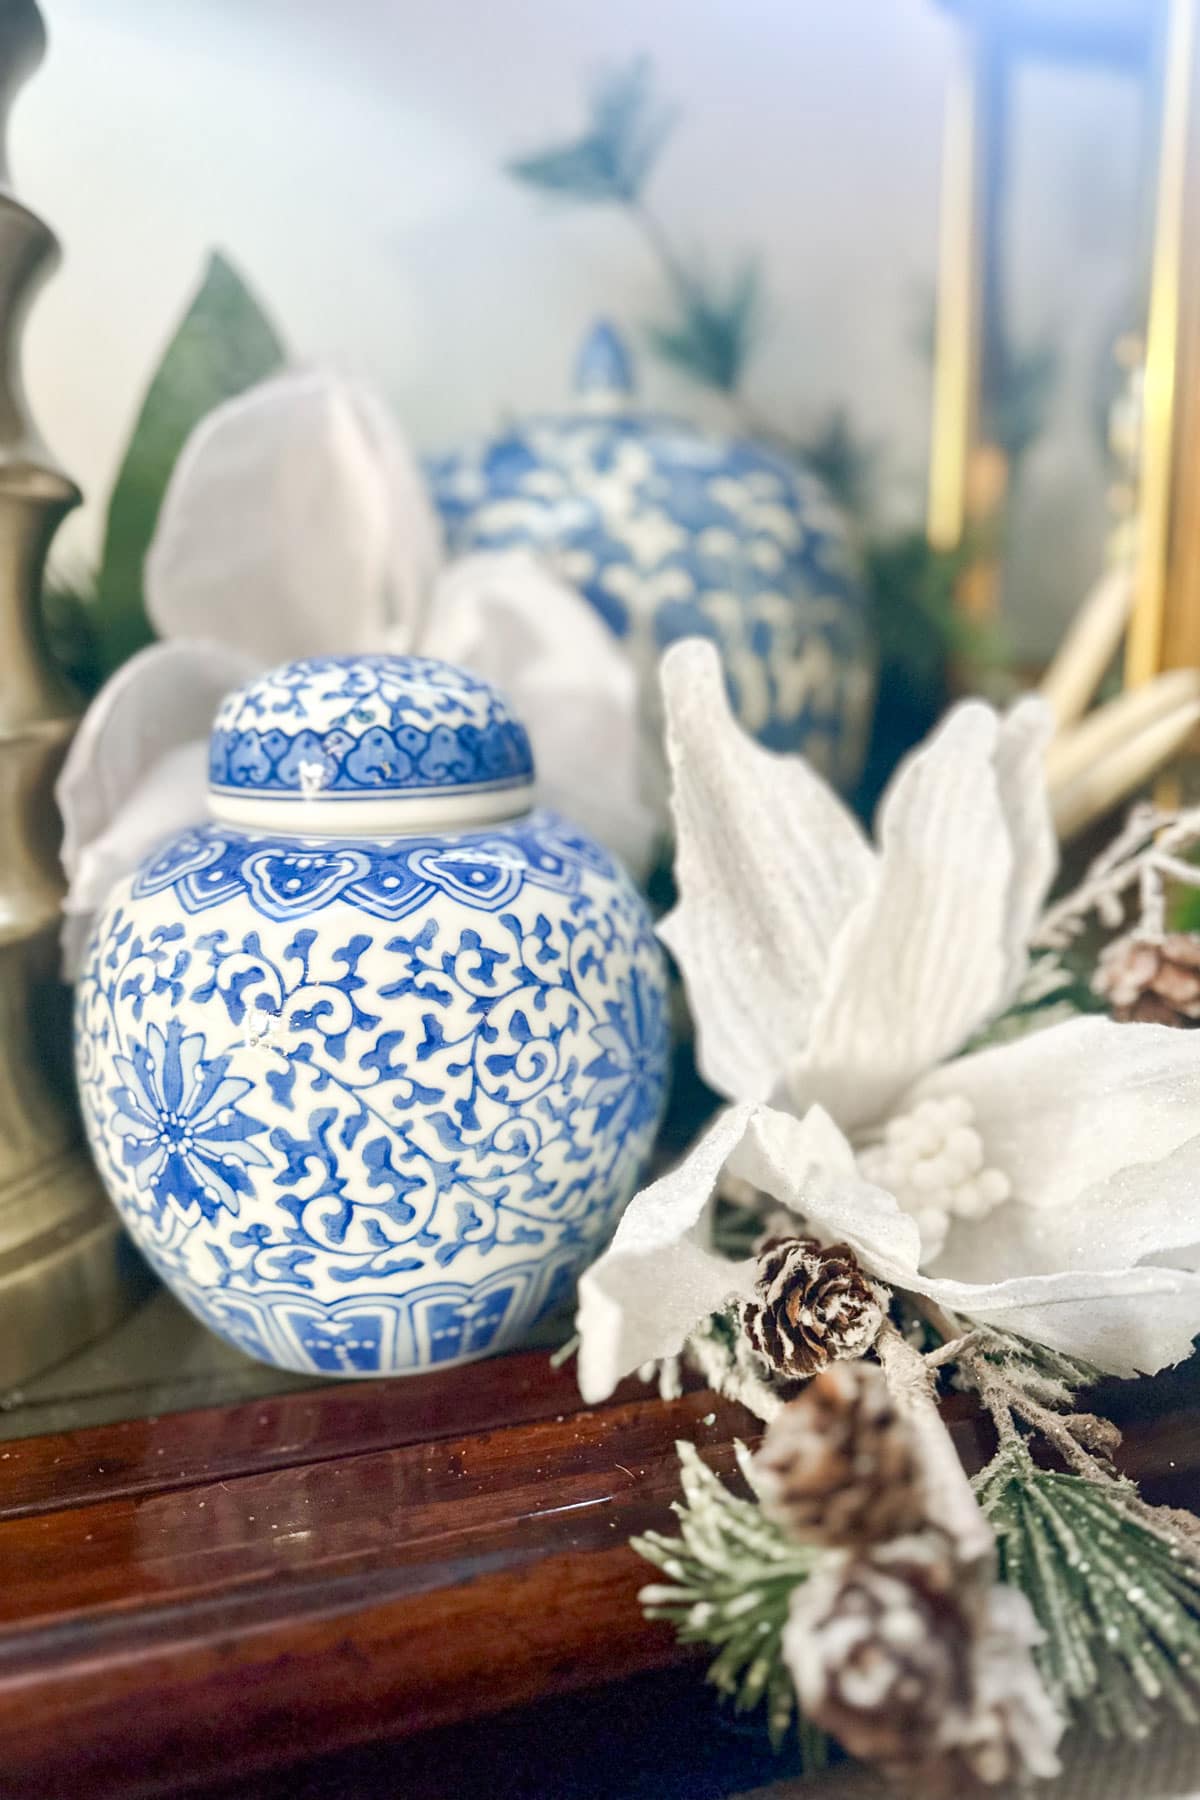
363 725
674 532
185 1139
371 1106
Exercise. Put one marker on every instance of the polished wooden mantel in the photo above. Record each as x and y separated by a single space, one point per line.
190 1598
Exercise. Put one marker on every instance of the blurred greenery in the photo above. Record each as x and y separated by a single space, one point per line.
611 160
846 463
716 320
1023 393
924 639
714 333
223 345
68 615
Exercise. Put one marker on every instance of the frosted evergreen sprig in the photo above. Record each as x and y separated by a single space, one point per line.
1114 1584
1030 1384
730 1575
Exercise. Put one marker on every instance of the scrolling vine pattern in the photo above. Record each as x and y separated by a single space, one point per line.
440 1116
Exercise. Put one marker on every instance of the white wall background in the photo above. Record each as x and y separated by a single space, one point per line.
349 156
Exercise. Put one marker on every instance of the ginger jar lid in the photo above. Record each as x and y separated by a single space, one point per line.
340 745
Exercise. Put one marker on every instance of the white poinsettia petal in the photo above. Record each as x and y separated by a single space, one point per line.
295 523
1020 763
658 1278
921 962
768 862
172 795
1146 1212
1124 1321
415 547
507 617
165 696
808 1166
1066 1108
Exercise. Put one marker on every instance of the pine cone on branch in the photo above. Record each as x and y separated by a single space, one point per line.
879 1647
923 1668
812 1306
1152 981
838 1465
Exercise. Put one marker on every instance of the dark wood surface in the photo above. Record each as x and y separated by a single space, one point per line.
189 1599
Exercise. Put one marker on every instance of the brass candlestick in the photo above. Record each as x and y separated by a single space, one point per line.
67 1272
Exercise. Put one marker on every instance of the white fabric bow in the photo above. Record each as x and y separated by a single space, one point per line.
297 522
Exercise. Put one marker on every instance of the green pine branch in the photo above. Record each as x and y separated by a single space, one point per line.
730 1576
1115 1586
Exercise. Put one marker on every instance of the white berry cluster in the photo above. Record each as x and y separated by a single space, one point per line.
932 1160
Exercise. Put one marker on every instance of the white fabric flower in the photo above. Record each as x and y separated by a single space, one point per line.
1049 1186
297 522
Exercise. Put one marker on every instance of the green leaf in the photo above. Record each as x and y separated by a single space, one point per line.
612 159
714 332
223 345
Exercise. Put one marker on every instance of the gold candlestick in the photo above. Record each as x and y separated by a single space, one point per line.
67 1272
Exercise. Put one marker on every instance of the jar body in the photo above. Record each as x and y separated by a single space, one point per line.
370 1107
672 532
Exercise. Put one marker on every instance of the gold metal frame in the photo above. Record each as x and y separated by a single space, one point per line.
1164 631
967 474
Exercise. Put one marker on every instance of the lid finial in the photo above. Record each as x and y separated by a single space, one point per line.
604 368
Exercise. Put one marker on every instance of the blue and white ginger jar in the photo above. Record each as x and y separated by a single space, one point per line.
371 1062
672 531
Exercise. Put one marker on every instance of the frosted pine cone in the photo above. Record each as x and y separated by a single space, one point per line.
811 1306
838 1465
879 1648
1152 982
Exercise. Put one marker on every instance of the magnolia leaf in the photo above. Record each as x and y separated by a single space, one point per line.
224 344
610 161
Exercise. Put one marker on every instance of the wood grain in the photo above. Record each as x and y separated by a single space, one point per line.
142 1456
228 1590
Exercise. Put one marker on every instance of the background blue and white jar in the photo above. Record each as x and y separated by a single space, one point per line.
671 531
371 1062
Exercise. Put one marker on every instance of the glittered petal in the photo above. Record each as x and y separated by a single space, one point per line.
658 1279
508 618
808 1166
296 523
1068 1107
1147 1212
768 863
921 962
1020 760
1126 1321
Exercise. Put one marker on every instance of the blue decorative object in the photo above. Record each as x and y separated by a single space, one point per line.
366 725
368 1102
675 532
